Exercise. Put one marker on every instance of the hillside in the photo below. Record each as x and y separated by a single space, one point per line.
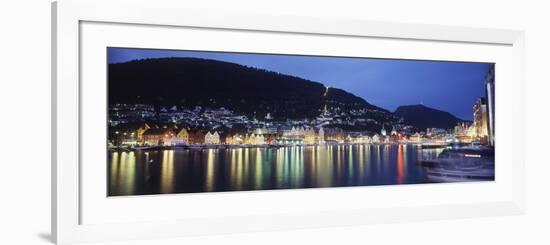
423 117
251 91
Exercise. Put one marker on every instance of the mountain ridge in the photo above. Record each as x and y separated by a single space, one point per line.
193 81
254 92
423 117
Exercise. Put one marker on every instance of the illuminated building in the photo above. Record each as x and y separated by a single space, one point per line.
250 139
435 131
334 135
128 133
309 136
383 131
480 119
377 139
158 136
362 139
260 140
321 136
212 138
415 138
196 137
490 94
464 133
181 138
229 140
237 139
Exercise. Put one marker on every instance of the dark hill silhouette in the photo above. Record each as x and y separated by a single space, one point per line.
251 91
423 117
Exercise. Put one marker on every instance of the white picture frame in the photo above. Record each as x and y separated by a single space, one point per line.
68 16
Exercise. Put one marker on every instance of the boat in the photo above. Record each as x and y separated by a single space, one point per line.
461 164
434 145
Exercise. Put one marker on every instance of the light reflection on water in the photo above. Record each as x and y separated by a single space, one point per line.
208 170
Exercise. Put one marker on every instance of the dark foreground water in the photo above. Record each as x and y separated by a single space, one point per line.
186 171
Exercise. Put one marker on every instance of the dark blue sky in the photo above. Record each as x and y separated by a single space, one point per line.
448 86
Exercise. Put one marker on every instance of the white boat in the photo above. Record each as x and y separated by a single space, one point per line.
462 164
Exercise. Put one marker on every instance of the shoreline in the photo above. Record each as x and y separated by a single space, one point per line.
223 146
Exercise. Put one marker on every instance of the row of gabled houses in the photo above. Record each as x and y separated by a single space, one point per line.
172 134
156 134
151 134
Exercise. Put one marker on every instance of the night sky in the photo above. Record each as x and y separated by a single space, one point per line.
448 86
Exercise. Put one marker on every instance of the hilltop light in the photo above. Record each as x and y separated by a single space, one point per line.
326 91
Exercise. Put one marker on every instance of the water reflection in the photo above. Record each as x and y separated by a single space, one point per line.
210 180
400 165
184 171
167 172
258 170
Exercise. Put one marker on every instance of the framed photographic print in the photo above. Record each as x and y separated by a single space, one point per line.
206 121
174 122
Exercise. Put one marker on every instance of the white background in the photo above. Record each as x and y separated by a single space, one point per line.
25 110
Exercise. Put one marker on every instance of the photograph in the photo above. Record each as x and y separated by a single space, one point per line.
189 121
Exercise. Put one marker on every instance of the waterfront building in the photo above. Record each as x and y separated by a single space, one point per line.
270 138
181 138
490 94
349 139
196 136
158 136
377 139
260 140
128 133
212 138
300 132
127 138
321 136
250 139
464 133
432 132
228 140
383 131
415 138
141 130
361 139
480 119
334 135
393 131
296 133
289 133
237 139
309 136
394 138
